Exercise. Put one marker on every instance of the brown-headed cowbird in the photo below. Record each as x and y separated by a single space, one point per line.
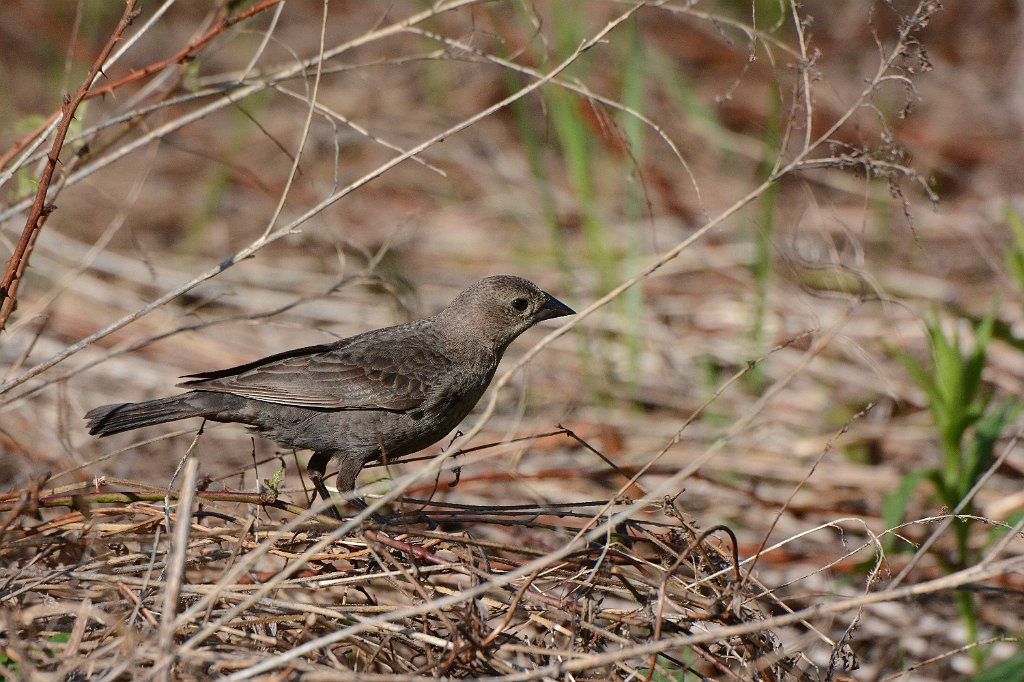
382 394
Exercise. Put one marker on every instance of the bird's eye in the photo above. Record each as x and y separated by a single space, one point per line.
520 304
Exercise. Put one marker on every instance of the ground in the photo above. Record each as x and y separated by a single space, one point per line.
796 244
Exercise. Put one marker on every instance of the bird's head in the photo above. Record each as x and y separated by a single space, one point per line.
497 309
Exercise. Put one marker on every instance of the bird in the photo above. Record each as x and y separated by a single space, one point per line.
379 395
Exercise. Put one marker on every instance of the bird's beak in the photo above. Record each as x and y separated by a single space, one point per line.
552 308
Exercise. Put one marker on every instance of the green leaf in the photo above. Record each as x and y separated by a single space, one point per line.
917 372
1015 220
274 482
946 365
895 504
1014 258
1010 670
976 360
978 453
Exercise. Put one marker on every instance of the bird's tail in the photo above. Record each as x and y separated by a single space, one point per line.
108 419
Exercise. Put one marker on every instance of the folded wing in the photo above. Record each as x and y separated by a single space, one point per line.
348 375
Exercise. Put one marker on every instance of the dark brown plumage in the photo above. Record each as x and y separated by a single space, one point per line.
385 393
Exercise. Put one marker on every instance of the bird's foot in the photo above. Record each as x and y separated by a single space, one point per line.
377 518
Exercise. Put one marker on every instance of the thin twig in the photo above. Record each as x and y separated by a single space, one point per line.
18 263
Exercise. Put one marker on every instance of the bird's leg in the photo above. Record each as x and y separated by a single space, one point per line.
347 473
316 470
360 504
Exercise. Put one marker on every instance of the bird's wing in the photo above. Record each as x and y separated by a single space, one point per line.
345 375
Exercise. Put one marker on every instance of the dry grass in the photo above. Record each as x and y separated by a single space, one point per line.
409 602
743 275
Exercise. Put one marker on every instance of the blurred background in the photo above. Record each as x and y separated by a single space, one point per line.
833 203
